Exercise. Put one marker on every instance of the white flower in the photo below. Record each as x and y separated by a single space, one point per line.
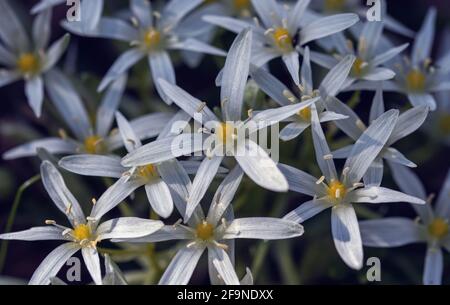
154 35
330 86
84 234
339 193
370 54
281 30
255 162
90 11
418 77
98 139
151 176
433 228
407 123
30 60
216 233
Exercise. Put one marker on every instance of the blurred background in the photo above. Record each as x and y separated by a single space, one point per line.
311 259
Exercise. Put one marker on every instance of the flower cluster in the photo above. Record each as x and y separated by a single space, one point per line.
178 150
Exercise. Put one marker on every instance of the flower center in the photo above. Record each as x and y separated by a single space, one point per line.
444 124
416 80
334 5
438 228
359 67
226 132
28 63
240 5
95 145
82 232
305 114
336 190
152 39
282 38
205 231
147 172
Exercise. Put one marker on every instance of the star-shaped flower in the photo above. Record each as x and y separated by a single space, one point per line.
30 60
340 193
433 228
84 235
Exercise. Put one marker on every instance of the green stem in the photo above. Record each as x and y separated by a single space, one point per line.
12 216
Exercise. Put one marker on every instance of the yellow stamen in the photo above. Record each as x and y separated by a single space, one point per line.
205 231
28 63
95 145
152 39
444 124
282 38
305 114
147 172
416 80
240 5
82 232
438 228
336 190
334 5
226 132
359 67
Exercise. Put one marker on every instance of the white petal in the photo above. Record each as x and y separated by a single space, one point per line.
224 195
377 108
257 164
41 29
352 125
332 83
52 145
379 74
296 14
92 261
374 174
162 68
51 265
408 122
299 181
307 210
369 145
129 137
394 155
182 266
293 130
389 232
270 85
36 233
346 235
163 234
434 264
114 195
142 9
93 165
424 99
424 38
293 65
34 90
268 12
388 55
223 265
263 228
12 33
326 26
235 74
60 194
55 52
377 194
127 227
158 195
443 200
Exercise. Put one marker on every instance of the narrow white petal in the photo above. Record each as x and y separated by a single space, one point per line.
263 228
93 165
158 195
127 228
434 266
389 232
375 194
36 233
223 265
326 26
307 210
92 261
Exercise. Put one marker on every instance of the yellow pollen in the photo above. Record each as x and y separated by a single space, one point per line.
82 232
95 145
416 80
444 124
241 4
147 172
305 114
438 228
282 38
358 67
152 38
334 5
28 63
336 190
225 132
205 231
